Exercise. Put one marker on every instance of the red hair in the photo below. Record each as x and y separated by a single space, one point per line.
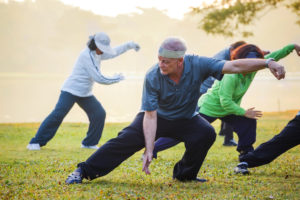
243 50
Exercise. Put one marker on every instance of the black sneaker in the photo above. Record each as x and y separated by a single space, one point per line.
75 177
230 143
241 168
201 180
221 133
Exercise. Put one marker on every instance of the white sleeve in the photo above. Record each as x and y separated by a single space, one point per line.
96 75
119 50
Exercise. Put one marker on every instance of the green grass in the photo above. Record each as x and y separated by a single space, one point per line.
41 174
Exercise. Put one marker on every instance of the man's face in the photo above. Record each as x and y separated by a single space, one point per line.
168 65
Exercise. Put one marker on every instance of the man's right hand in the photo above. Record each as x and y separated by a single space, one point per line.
253 114
149 127
147 158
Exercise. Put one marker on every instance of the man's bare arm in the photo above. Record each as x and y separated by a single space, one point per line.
252 65
149 127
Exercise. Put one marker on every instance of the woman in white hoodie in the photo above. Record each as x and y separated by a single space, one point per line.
78 89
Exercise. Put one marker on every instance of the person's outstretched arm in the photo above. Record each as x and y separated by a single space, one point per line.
149 127
98 77
252 65
121 49
283 52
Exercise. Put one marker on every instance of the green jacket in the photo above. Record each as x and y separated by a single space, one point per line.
225 96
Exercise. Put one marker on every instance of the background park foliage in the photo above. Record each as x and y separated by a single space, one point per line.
233 17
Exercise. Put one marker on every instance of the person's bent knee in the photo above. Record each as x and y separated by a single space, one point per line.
252 122
210 134
100 115
57 115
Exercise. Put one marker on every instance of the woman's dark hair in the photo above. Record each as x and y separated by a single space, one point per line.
237 44
242 51
92 45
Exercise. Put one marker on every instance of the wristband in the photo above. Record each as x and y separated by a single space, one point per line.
268 61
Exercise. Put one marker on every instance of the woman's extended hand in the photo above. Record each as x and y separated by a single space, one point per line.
253 114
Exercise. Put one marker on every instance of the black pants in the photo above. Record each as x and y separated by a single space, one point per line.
196 133
227 131
243 126
265 153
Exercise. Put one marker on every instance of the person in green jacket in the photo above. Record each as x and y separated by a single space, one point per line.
224 98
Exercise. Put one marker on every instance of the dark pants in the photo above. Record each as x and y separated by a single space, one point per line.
90 105
244 127
196 133
227 131
265 153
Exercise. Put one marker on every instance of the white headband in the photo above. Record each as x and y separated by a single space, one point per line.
170 53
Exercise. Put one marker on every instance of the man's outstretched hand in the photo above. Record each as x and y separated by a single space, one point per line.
147 158
277 70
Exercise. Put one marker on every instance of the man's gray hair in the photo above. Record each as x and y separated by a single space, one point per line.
172 47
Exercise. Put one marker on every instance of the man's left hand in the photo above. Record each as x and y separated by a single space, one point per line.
277 70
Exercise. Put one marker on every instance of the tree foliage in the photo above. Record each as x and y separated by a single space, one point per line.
230 18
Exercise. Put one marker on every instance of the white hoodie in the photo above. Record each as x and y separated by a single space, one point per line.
87 70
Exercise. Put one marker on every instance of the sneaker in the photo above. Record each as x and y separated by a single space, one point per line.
241 168
33 147
89 147
230 143
200 180
75 177
221 133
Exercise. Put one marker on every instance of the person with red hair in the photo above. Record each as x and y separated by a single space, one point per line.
224 99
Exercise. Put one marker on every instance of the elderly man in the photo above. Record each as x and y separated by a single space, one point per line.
169 103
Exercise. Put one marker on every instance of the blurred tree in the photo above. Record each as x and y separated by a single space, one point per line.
231 17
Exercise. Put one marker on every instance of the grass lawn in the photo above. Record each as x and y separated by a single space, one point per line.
41 174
